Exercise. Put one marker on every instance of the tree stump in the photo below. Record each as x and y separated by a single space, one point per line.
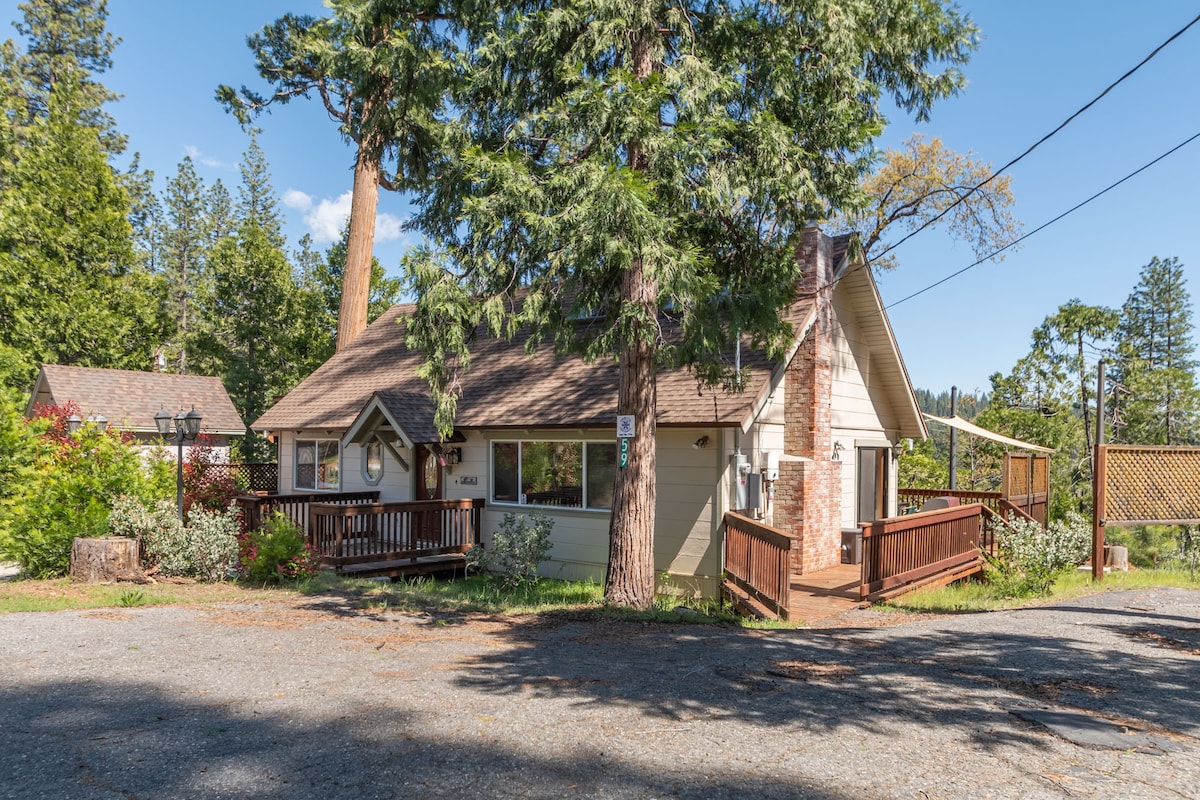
1116 557
105 560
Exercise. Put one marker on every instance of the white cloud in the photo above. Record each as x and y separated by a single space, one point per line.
294 198
327 218
206 160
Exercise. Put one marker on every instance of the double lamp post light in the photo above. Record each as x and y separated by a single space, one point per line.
187 428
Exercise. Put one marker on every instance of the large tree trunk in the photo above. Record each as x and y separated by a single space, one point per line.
630 579
356 276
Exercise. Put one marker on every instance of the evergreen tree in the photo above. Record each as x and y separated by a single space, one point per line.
1156 359
221 219
1066 342
620 158
66 43
248 321
145 214
185 242
69 289
257 202
380 69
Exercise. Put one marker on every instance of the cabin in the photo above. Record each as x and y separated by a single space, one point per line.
128 400
807 446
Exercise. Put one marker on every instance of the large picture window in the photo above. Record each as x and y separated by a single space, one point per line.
317 467
562 474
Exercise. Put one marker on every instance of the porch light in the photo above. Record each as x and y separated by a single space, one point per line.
187 428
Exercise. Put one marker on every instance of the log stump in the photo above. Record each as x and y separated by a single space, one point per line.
105 560
1116 557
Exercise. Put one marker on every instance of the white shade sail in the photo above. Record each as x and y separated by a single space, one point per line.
973 429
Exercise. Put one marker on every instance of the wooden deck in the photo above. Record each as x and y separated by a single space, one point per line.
827 593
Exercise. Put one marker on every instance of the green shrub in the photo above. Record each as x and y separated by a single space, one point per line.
521 544
207 549
56 486
277 551
213 547
1028 558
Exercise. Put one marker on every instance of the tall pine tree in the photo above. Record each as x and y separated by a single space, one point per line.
1156 359
620 158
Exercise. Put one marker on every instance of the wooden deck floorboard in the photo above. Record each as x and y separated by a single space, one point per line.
819 595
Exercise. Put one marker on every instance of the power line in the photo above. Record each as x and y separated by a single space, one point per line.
1041 141
1045 225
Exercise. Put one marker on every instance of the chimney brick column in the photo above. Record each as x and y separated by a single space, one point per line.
808 493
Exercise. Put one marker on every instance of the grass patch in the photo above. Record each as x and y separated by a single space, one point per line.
977 595
63 595
475 594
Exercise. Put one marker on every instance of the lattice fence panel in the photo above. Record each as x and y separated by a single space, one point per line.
1151 484
1018 469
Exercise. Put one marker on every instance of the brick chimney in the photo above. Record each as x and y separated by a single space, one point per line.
808 493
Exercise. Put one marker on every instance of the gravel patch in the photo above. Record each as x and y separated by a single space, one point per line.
312 698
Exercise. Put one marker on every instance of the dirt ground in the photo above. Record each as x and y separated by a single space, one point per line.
284 696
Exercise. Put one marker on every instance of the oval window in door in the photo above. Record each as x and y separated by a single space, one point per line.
432 476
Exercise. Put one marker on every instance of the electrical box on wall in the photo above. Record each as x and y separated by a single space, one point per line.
753 491
771 457
741 467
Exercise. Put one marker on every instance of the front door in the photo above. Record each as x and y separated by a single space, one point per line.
428 474
872 483
428 471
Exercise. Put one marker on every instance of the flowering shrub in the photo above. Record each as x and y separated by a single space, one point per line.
521 544
276 551
1028 558
206 480
207 549
57 485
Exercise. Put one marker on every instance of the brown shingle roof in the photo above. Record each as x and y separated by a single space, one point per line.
504 387
129 399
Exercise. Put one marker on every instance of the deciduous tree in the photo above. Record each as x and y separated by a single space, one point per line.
925 184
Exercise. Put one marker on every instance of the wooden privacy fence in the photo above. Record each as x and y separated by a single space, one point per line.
377 533
758 562
902 552
1025 482
256 508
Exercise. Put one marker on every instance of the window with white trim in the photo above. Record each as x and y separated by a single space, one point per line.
562 474
372 462
318 465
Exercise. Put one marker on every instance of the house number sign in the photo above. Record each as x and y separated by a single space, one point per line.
624 460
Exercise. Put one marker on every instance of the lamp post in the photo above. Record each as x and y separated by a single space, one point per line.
187 428
74 423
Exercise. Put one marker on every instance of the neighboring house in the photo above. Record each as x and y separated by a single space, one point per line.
129 400
538 431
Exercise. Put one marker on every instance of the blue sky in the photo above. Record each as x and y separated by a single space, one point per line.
1039 62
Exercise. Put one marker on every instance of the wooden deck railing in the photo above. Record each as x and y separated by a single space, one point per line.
255 508
1034 509
915 498
379 532
901 551
758 561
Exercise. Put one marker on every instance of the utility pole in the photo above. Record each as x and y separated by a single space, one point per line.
953 439
1098 476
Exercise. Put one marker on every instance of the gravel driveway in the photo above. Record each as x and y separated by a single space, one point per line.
312 698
